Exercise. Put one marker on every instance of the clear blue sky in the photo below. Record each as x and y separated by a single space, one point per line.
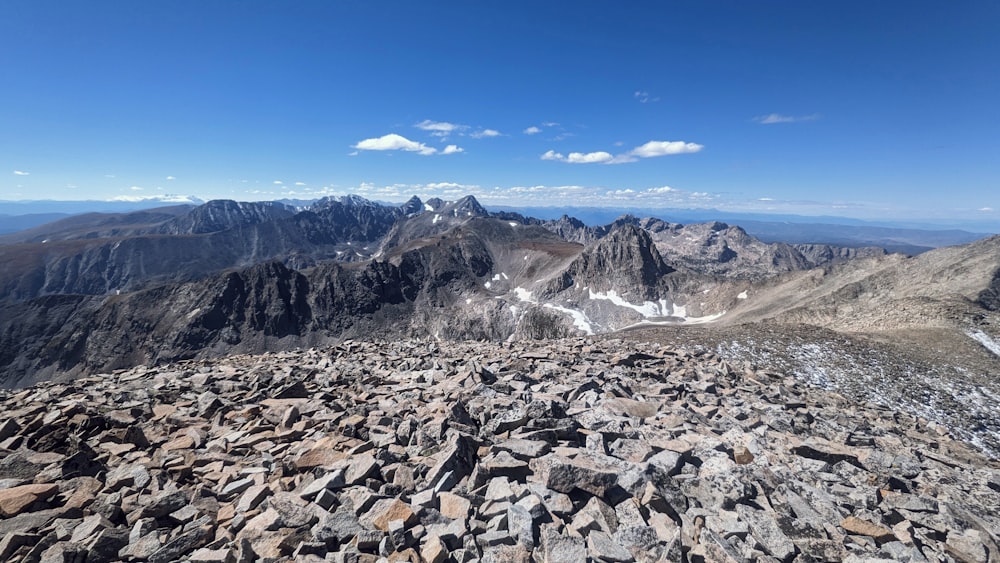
864 109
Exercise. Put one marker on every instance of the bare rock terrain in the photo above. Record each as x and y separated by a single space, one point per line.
583 449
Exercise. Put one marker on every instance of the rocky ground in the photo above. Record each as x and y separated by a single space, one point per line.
571 450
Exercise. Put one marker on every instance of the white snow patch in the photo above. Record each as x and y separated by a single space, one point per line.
190 315
437 218
524 294
512 224
468 301
496 277
985 339
742 295
684 321
525 256
504 276
647 309
428 207
580 320
487 285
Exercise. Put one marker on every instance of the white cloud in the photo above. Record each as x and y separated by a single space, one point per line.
662 148
300 183
21 173
648 150
394 142
440 128
171 178
486 133
549 124
773 118
136 188
986 209
452 149
589 158
644 97
277 182
532 130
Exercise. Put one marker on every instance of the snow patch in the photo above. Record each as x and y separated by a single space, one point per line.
487 285
468 301
580 320
512 224
504 276
985 339
496 277
437 217
742 295
428 207
524 294
647 309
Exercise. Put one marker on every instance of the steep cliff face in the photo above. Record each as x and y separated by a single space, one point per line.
625 260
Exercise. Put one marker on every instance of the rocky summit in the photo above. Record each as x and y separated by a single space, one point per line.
585 449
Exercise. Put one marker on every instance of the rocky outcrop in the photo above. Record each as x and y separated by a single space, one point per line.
625 260
569 450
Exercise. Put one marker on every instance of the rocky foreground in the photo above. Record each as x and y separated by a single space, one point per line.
574 450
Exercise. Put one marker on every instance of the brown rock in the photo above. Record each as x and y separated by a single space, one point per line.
16 499
742 456
855 525
387 510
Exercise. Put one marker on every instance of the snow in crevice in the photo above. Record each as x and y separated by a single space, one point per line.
428 207
742 295
437 218
512 224
580 319
985 339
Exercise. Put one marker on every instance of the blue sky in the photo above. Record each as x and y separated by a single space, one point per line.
861 109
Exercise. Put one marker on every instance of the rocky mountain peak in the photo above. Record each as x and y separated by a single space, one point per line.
412 206
467 206
626 260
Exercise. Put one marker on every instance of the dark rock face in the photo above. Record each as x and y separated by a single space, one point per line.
626 259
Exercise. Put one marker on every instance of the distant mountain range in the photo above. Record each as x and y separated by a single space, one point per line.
101 291
909 237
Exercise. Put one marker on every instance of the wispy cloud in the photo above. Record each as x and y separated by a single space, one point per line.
485 133
300 183
773 118
596 157
171 178
21 173
394 142
644 97
986 209
277 182
136 188
532 130
648 150
440 128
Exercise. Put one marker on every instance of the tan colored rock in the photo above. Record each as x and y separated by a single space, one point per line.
387 510
855 525
742 456
433 550
16 499
453 506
